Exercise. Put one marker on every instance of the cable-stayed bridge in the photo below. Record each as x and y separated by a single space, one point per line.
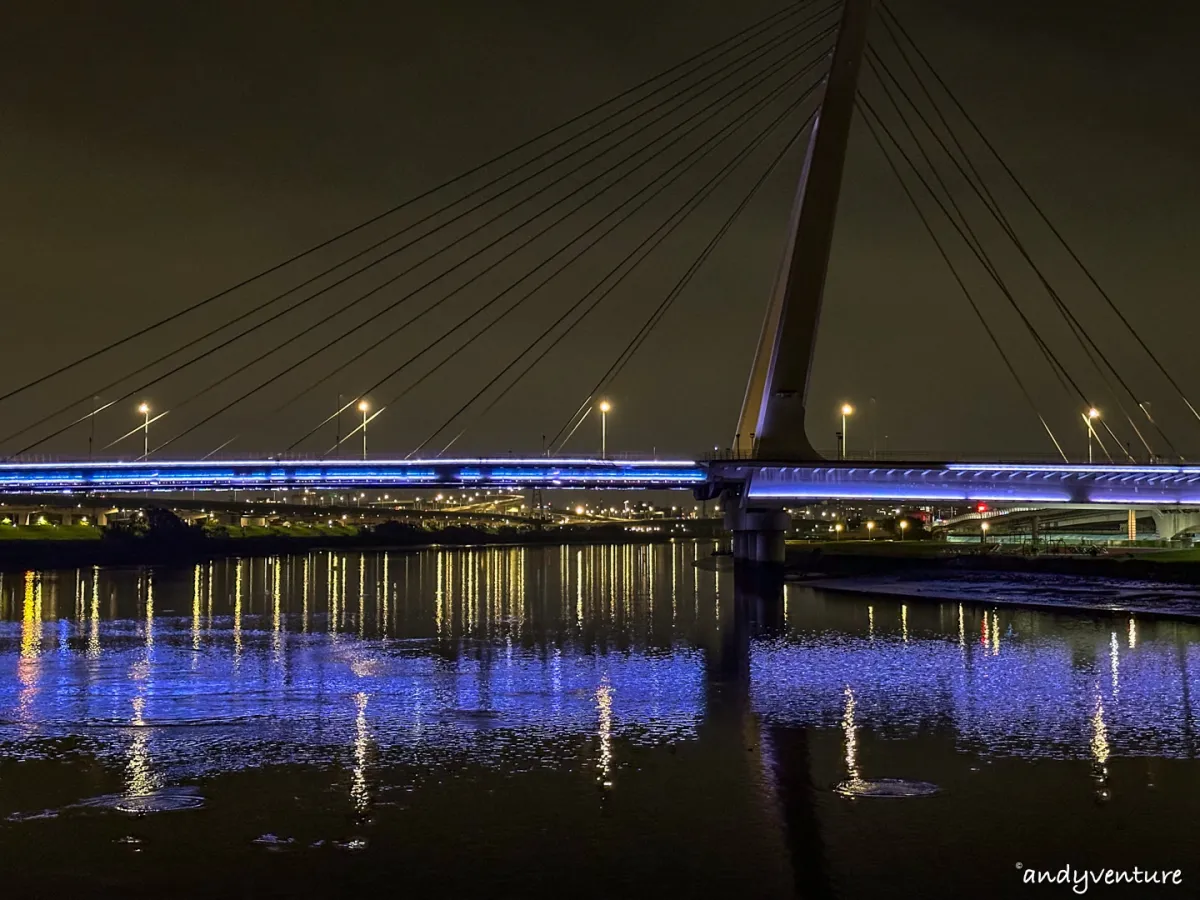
694 145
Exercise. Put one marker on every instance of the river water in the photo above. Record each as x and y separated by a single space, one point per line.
601 721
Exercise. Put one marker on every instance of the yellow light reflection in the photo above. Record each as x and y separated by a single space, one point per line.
1114 655
362 594
604 708
237 610
850 736
79 594
1099 743
904 621
208 599
149 610
386 595
360 793
197 589
277 609
871 622
93 648
140 779
343 574
995 633
1132 633
29 664
304 594
579 587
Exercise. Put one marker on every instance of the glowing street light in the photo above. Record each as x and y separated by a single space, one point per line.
363 407
605 407
847 411
837 531
144 409
1089 419
903 527
983 530
870 530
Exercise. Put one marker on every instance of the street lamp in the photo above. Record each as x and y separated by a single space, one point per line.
983 530
847 410
1089 419
837 531
903 527
144 409
870 530
605 407
363 406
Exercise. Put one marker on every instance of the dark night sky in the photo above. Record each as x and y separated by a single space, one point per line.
154 153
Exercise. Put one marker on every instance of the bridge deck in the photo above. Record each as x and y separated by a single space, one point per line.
969 483
250 475
763 482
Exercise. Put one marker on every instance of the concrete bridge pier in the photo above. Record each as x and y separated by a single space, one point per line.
1175 523
758 535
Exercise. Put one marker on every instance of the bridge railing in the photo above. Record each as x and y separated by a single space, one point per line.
732 454
260 456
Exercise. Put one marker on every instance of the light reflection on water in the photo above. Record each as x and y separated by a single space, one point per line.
373 684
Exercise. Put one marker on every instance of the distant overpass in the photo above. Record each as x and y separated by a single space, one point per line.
1169 522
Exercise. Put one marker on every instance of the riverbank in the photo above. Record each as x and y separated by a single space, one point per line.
864 558
1162 585
1044 593
193 546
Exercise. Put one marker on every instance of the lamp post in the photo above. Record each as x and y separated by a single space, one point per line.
363 407
983 530
870 531
1089 419
847 410
903 527
144 409
837 531
605 407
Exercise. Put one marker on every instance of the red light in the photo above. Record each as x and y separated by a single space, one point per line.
982 507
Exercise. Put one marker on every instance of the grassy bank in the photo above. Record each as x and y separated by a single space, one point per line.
50 533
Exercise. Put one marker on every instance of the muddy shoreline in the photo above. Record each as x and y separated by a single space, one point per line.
805 562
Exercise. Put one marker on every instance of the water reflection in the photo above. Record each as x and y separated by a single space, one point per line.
406 673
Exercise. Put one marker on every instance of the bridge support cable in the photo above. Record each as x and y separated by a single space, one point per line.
963 287
895 30
1055 364
962 223
1091 350
696 62
664 306
693 158
738 64
876 65
892 24
650 244
699 153
700 116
